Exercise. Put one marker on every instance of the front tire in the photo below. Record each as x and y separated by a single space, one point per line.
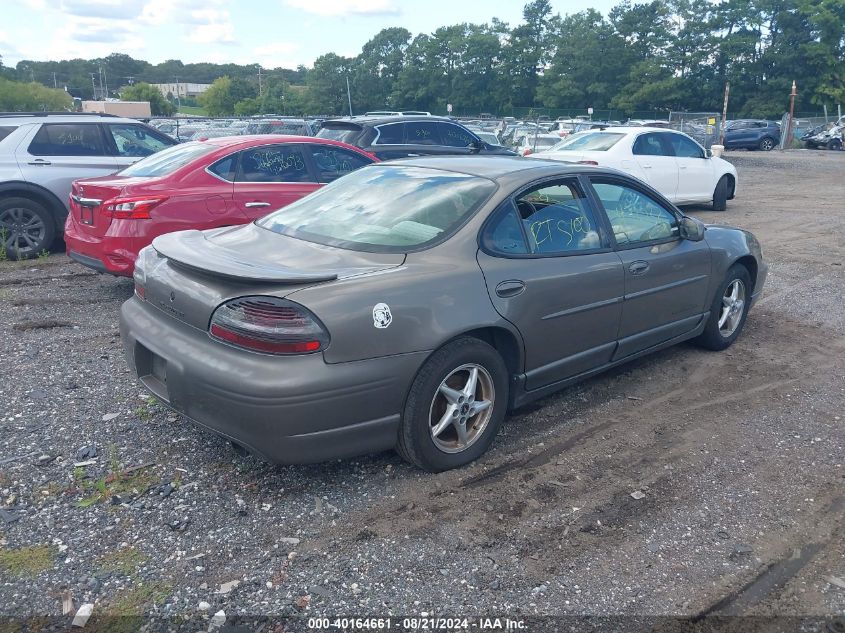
26 228
835 145
455 406
728 311
720 195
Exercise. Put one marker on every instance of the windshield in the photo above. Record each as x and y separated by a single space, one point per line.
168 160
540 141
344 134
383 208
589 142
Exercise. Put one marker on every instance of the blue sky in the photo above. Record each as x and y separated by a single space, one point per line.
270 32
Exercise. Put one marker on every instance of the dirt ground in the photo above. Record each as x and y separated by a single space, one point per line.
739 456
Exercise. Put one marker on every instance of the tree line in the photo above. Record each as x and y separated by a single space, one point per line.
658 55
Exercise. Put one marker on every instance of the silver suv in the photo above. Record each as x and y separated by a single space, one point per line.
41 154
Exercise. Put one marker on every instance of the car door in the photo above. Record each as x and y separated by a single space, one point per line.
272 176
656 161
695 170
666 277
130 142
56 154
550 270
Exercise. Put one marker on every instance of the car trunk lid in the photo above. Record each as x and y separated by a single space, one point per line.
192 272
88 198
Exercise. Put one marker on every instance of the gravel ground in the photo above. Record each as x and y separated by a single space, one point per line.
110 499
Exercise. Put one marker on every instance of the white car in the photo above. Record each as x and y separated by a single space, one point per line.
532 143
669 161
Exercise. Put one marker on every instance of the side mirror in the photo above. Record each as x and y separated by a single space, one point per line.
692 229
476 146
708 153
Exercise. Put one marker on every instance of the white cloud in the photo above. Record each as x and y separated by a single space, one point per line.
346 7
276 55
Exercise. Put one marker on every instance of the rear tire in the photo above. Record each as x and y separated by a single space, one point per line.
26 228
835 145
728 311
720 195
449 419
767 144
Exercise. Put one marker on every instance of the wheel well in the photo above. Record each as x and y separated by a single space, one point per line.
504 342
750 265
731 186
41 196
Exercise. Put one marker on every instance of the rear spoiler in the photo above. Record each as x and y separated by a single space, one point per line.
191 250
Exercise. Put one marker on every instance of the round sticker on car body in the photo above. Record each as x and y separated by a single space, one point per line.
382 316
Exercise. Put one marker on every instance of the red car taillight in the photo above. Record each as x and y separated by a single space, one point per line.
131 208
527 151
270 325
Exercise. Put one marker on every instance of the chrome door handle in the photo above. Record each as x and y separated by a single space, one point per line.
39 161
646 166
250 205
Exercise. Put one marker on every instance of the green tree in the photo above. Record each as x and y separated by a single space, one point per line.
159 105
377 68
326 83
218 100
16 96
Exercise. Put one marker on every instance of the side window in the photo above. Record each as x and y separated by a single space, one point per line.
135 140
634 216
504 233
225 168
334 162
68 139
274 163
455 136
391 134
684 147
557 219
649 145
423 133
5 130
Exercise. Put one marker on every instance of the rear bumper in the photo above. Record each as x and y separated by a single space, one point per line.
293 410
106 254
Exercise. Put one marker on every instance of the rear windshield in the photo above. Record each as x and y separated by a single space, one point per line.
344 134
384 209
168 160
540 141
589 142
5 130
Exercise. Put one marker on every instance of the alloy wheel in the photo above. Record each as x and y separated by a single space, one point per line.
733 305
22 231
461 408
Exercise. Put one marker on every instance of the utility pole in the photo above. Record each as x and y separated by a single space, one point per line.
259 80
349 96
54 80
792 96
93 88
724 114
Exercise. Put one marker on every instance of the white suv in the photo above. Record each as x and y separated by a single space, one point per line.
41 154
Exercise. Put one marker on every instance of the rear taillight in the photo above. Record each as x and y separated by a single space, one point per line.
139 291
270 325
587 162
131 208
527 151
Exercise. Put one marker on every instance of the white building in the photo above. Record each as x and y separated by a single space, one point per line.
182 89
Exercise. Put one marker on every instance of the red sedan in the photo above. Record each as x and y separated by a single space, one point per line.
199 185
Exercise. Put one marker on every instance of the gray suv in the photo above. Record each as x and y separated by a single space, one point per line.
41 154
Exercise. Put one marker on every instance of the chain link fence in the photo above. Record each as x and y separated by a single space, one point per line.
803 128
194 128
704 127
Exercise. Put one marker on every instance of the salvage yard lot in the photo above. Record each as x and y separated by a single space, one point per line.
738 456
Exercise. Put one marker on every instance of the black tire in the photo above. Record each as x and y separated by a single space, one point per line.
835 145
720 195
713 338
767 144
26 228
415 443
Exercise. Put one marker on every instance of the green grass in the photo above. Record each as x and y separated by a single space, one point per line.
125 561
192 110
27 561
124 613
103 489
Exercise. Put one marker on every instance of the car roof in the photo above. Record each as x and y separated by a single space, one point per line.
362 121
495 167
243 141
61 117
